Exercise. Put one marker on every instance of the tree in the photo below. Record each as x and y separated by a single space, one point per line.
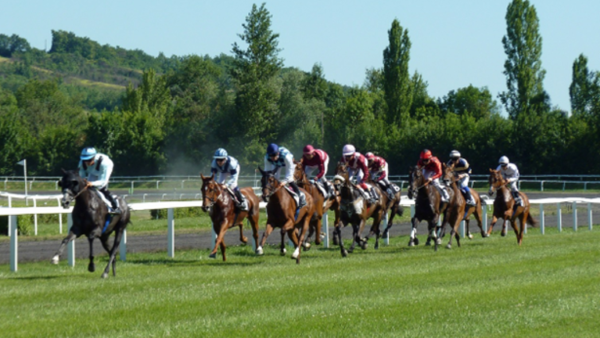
254 71
396 85
523 67
13 44
585 87
469 100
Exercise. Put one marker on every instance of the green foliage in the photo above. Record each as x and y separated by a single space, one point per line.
396 80
585 88
24 225
469 100
523 66
177 213
13 44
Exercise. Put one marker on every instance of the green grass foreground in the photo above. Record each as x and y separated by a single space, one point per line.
549 287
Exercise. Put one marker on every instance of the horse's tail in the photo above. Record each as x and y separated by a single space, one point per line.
531 221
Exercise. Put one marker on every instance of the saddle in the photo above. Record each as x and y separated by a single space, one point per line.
110 219
294 195
107 202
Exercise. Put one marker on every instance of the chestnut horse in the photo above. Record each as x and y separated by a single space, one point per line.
282 213
90 219
354 209
505 208
223 213
321 205
427 205
448 176
393 205
454 211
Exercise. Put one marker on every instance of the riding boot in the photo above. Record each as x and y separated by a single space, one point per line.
468 196
467 207
517 197
374 196
113 201
241 202
301 197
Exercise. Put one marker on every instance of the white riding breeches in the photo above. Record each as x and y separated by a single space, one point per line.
443 192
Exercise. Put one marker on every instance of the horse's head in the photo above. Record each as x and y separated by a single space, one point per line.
299 175
269 184
495 180
448 176
210 191
72 185
415 179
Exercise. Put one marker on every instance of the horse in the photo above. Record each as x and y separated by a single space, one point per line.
427 205
454 211
90 218
393 205
505 208
321 205
476 210
355 210
283 213
223 213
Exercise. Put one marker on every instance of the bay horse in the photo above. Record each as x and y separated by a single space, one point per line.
223 213
393 205
321 205
427 205
282 213
505 208
476 210
455 209
355 210
90 219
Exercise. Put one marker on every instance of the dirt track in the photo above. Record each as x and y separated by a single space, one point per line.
43 250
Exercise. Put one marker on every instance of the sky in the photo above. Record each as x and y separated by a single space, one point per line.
454 43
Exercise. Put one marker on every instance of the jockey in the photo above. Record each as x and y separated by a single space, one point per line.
378 168
228 167
278 158
462 170
432 171
96 168
313 159
357 167
510 172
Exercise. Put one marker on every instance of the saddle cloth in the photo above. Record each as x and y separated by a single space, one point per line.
294 196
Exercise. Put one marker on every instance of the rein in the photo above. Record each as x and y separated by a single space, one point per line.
79 193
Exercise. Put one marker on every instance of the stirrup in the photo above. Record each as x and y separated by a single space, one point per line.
116 211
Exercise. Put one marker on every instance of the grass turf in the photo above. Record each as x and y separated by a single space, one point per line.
549 287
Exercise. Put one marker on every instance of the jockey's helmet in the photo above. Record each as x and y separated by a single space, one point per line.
503 160
454 154
220 154
308 149
369 156
88 153
272 149
348 150
426 154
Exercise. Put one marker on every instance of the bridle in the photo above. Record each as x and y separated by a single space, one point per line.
212 190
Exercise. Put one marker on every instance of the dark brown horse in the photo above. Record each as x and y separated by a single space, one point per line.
223 213
427 205
355 210
455 210
321 205
505 208
449 176
282 213
393 205
90 218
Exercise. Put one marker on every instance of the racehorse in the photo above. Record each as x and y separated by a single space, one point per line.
427 205
321 205
223 213
91 218
449 176
354 209
393 204
283 213
454 211
505 208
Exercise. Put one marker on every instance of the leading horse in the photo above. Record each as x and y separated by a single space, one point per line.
91 218
283 213
505 208
223 213
427 205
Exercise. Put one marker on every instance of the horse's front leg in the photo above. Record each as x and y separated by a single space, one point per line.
221 233
74 233
288 227
413 232
300 240
337 234
243 238
268 230
91 266
492 223
113 253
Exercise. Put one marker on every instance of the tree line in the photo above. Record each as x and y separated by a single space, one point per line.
174 112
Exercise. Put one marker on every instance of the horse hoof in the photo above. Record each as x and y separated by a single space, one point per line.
322 236
345 253
259 251
428 243
244 240
214 255
438 241
306 246
385 233
503 234
470 236
448 246
282 252
54 260
376 247
104 275
91 267
411 243
363 245
416 241
350 250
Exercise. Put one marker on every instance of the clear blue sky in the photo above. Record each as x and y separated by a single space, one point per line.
454 43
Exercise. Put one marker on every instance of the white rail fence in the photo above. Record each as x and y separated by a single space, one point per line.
170 206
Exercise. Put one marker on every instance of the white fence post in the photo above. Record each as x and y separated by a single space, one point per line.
10 218
35 218
14 244
542 224
170 233
559 216
325 226
485 217
71 244
123 246
462 229
590 216
574 216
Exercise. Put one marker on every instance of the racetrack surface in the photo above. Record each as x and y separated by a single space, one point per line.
45 249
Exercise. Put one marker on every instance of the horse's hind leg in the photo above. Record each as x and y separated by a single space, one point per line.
413 232
91 266
243 238
337 233
254 224
113 253
73 233
268 230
